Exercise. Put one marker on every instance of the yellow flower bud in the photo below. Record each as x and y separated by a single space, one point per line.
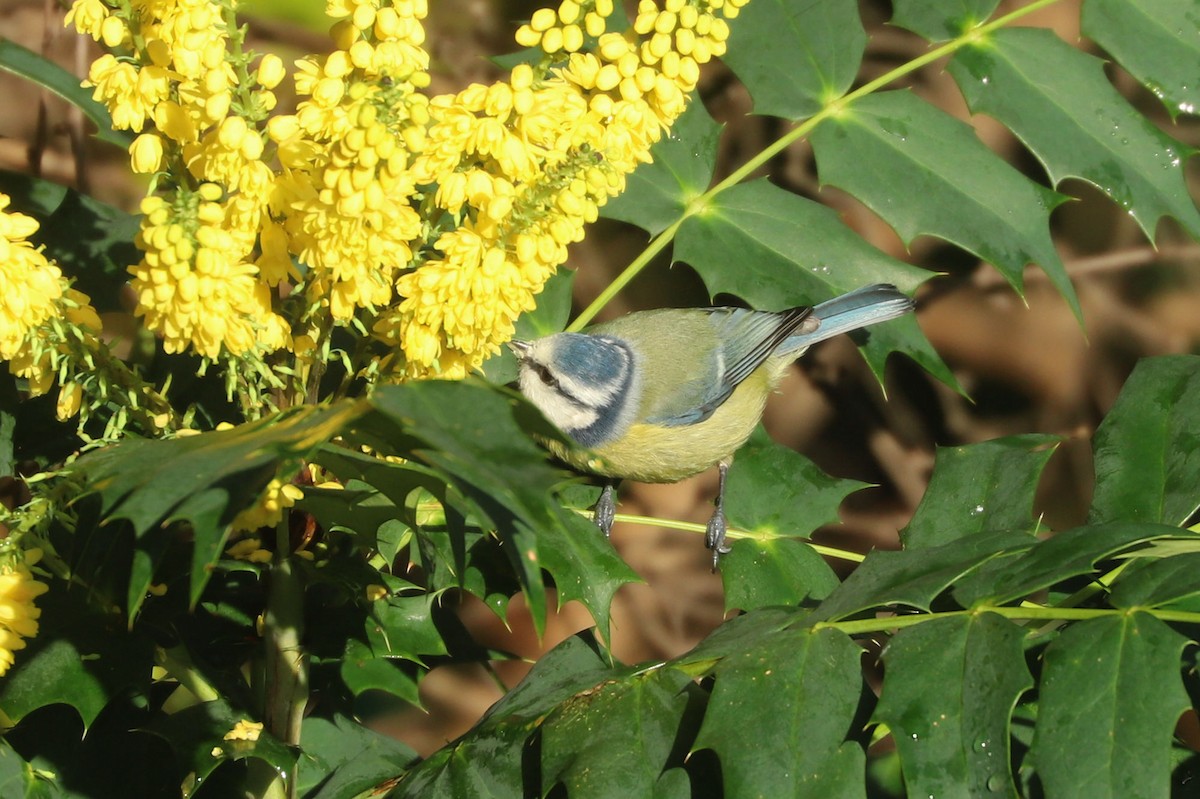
568 12
543 20
271 71
146 153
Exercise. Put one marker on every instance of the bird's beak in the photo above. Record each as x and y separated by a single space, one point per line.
519 348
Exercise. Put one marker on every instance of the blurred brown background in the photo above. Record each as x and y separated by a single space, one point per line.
1027 365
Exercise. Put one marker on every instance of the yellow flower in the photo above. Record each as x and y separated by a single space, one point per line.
18 614
32 285
245 730
268 511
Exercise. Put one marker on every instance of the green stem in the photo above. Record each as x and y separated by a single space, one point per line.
286 680
1023 613
733 532
832 108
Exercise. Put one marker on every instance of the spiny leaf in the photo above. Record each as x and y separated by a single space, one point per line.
1157 41
949 689
980 488
796 55
799 689
775 249
779 497
643 710
1060 104
892 147
1147 467
1108 701
915 577
1065 555
938 20
657 194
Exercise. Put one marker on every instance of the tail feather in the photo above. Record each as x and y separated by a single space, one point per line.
859 308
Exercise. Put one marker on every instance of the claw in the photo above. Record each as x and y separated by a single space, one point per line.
714 532
605 512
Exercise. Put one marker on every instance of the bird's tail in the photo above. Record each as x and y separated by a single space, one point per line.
859 308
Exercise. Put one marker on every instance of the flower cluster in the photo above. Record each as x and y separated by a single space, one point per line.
18 614
432 221
39 312
174 74
521 166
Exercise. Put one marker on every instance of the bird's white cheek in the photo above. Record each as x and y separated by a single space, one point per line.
565 414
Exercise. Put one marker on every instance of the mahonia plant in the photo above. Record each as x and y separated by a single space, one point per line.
432 222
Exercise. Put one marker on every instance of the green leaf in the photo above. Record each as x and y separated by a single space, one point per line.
342 758
778 496
480 437
889 148
1155 582
657 194
1108 701
487 760
362 670
21 779
1157 41
643 711
775 250
795 56
27 64
1058 101
1067 554
204 479
403 627
197 732
980 488
1145 450
761 572
798 691
79 657
949 688
914 578
938 20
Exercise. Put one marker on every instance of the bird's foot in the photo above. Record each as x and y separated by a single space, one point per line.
605 512
714 536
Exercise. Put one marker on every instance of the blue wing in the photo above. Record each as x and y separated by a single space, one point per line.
744 340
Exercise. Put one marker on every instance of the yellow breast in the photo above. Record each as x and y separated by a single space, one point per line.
656 454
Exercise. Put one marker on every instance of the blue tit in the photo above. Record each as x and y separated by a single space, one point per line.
660 395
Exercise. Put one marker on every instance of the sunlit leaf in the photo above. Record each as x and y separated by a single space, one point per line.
1157 41
890 148
938 20
657 194
1059 102
796 55
775 250
779 497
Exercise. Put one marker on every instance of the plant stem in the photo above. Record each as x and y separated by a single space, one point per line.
286 680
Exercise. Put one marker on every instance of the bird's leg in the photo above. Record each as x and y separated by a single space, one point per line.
714 534
605 511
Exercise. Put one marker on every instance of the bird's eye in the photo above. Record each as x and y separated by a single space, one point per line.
544 374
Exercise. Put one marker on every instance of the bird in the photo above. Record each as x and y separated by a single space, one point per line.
660 395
